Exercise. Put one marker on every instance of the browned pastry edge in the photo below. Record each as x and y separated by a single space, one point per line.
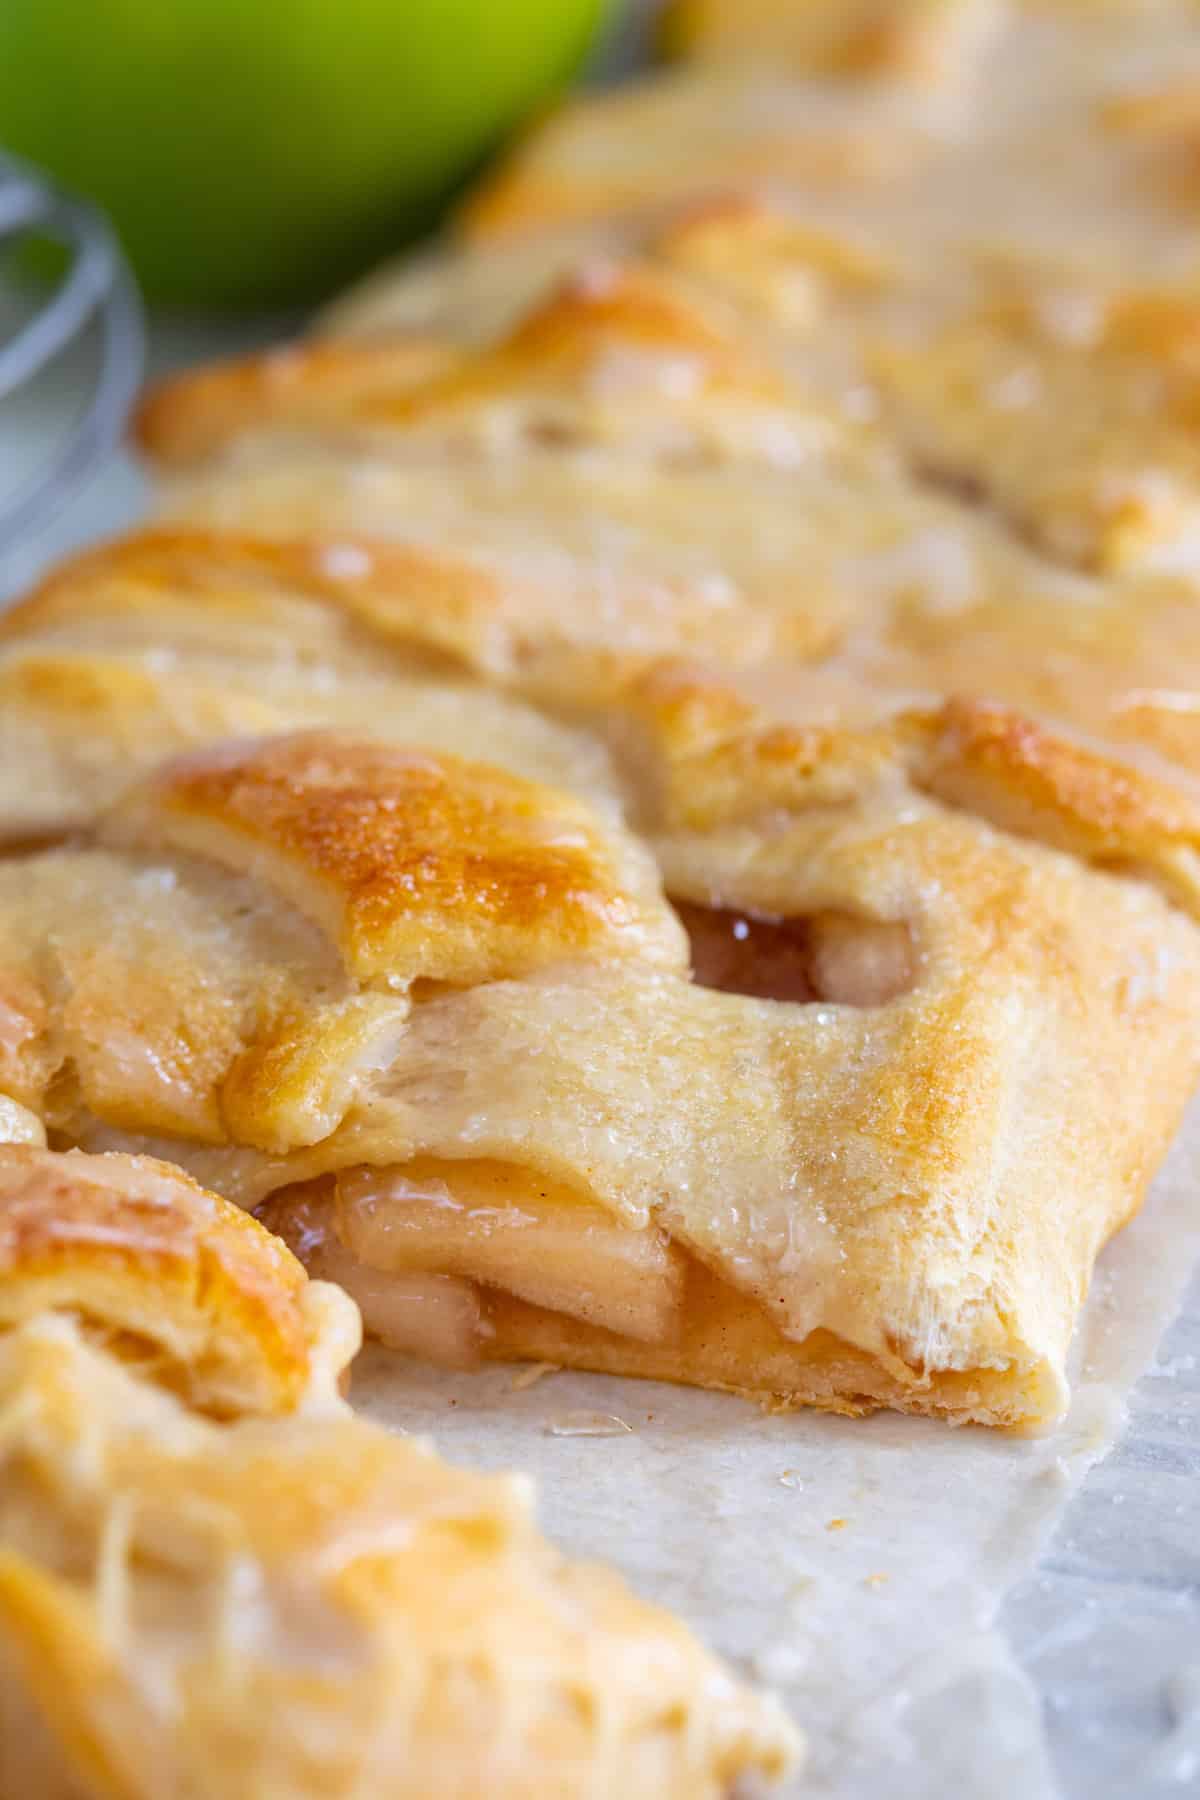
184 1280
184 418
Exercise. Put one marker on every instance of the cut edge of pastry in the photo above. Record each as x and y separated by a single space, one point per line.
647 1307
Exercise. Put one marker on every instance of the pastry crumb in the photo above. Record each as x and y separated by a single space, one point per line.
588 1424
532 1373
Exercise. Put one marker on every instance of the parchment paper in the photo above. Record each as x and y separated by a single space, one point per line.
855 1566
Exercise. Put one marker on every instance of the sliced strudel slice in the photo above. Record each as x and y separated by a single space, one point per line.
215 1580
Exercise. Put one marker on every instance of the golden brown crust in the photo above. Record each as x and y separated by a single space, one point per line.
720 765
182 418
1114 665
419 867
1158 110
717 761
860 95
905 591
1082 434
317 586
260 913
1005 768
574 550
315 575
619 355
75 727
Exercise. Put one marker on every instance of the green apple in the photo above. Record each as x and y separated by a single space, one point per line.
257 152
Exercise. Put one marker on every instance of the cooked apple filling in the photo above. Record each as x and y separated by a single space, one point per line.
828 956
437 1317
411 1243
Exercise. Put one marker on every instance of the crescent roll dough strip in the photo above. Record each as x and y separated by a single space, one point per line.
189 417
619 356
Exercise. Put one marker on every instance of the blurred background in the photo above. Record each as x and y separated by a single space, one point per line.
251 156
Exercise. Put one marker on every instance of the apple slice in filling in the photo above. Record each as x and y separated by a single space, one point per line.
435 1317
415 1244
514 1229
